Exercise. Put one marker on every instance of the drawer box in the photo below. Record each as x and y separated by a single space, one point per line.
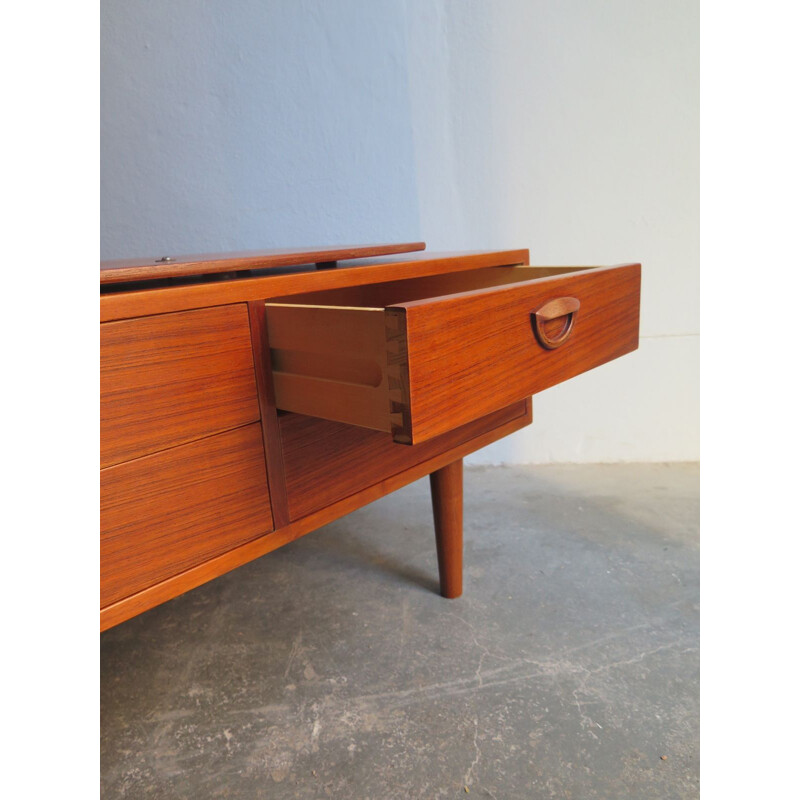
169 379
420 357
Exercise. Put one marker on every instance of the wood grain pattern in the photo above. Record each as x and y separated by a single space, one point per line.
425 287
174 519
269 415
563 308
165 513
452 358
326 461
447 486
471 353
349 363
159 266
142 301
170 379
172 587
330 363
397 377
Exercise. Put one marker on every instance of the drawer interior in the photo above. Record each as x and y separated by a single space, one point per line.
380 295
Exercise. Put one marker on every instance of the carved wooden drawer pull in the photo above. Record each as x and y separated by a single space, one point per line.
561 307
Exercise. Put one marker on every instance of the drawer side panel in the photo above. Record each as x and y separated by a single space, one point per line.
330 362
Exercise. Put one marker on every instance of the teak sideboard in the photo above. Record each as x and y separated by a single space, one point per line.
250 398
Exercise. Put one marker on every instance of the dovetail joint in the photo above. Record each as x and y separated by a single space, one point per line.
397 375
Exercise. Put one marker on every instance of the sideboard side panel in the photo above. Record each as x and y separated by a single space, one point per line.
273 450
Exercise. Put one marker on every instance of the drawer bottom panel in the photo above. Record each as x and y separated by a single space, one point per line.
327 461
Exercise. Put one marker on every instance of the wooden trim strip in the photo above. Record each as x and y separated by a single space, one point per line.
146 302
273 452
155 595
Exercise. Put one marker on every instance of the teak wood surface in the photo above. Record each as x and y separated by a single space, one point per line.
144 299
169 379
327 461
448 512
273 452
203 473
137 269
168 512
468 353
145 599
421 367
330 363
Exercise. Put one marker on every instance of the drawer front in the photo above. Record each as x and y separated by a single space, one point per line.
454 358
168 512
173 378
328 461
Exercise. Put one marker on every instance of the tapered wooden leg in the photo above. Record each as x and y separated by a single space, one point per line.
447 491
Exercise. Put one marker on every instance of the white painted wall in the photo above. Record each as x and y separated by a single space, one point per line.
569 126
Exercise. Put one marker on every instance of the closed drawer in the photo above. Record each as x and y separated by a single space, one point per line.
165 513
420 357
173 378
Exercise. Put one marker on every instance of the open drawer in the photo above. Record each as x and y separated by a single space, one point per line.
419 357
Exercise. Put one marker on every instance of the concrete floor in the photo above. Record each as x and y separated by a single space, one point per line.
330 668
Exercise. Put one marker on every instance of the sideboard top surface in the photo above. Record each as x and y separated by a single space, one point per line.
123 300
166 266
